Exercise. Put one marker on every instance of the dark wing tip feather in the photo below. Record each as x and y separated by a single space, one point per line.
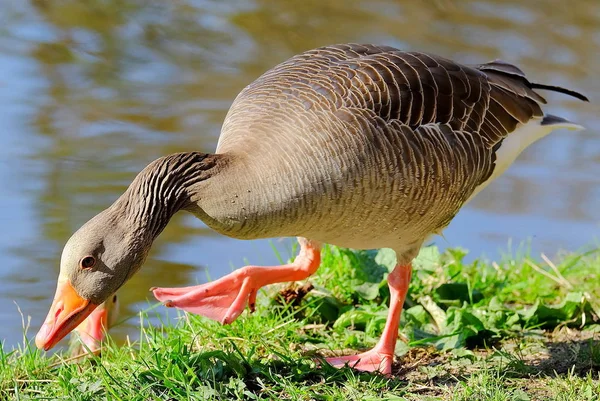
501 66
550 119
560 90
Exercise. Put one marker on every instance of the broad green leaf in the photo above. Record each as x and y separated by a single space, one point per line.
387 258
417 314
427 257
326 307
362 317
437 313
463 353
458 291
401 348
571 307
368 274
366 290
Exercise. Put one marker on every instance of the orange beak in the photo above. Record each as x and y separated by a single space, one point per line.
93 329
67 312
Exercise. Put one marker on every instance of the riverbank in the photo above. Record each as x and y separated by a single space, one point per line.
522 329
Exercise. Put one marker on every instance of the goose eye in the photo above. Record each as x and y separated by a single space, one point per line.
88 262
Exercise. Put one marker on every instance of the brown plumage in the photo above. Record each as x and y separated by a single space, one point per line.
360 146
420 129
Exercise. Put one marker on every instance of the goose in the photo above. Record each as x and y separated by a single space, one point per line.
91 332
355 145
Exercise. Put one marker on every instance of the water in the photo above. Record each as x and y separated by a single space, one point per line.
93 91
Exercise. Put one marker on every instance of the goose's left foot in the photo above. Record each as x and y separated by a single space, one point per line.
225 299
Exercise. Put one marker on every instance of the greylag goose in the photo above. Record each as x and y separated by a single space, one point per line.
359 146
91 332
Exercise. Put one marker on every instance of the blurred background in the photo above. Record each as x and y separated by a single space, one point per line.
91 92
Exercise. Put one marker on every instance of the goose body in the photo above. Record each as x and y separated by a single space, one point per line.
384 145
359 146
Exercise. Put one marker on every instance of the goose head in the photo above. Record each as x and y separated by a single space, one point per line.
98 259
111 247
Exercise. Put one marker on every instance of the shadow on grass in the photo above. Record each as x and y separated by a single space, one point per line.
553 357
221 370
578 357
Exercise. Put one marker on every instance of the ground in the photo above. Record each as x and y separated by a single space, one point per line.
518 329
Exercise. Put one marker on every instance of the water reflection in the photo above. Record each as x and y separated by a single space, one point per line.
95 90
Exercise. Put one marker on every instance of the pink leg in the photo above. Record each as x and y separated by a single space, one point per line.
380 358
226 298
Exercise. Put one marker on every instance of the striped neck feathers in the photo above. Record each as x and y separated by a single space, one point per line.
160 190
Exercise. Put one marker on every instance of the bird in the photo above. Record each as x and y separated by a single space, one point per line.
354 145
91 332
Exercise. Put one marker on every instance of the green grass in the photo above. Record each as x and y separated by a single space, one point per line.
515 330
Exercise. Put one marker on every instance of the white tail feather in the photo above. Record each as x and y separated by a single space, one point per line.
517 141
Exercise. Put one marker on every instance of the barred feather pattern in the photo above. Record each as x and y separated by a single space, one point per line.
360 146
160 190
